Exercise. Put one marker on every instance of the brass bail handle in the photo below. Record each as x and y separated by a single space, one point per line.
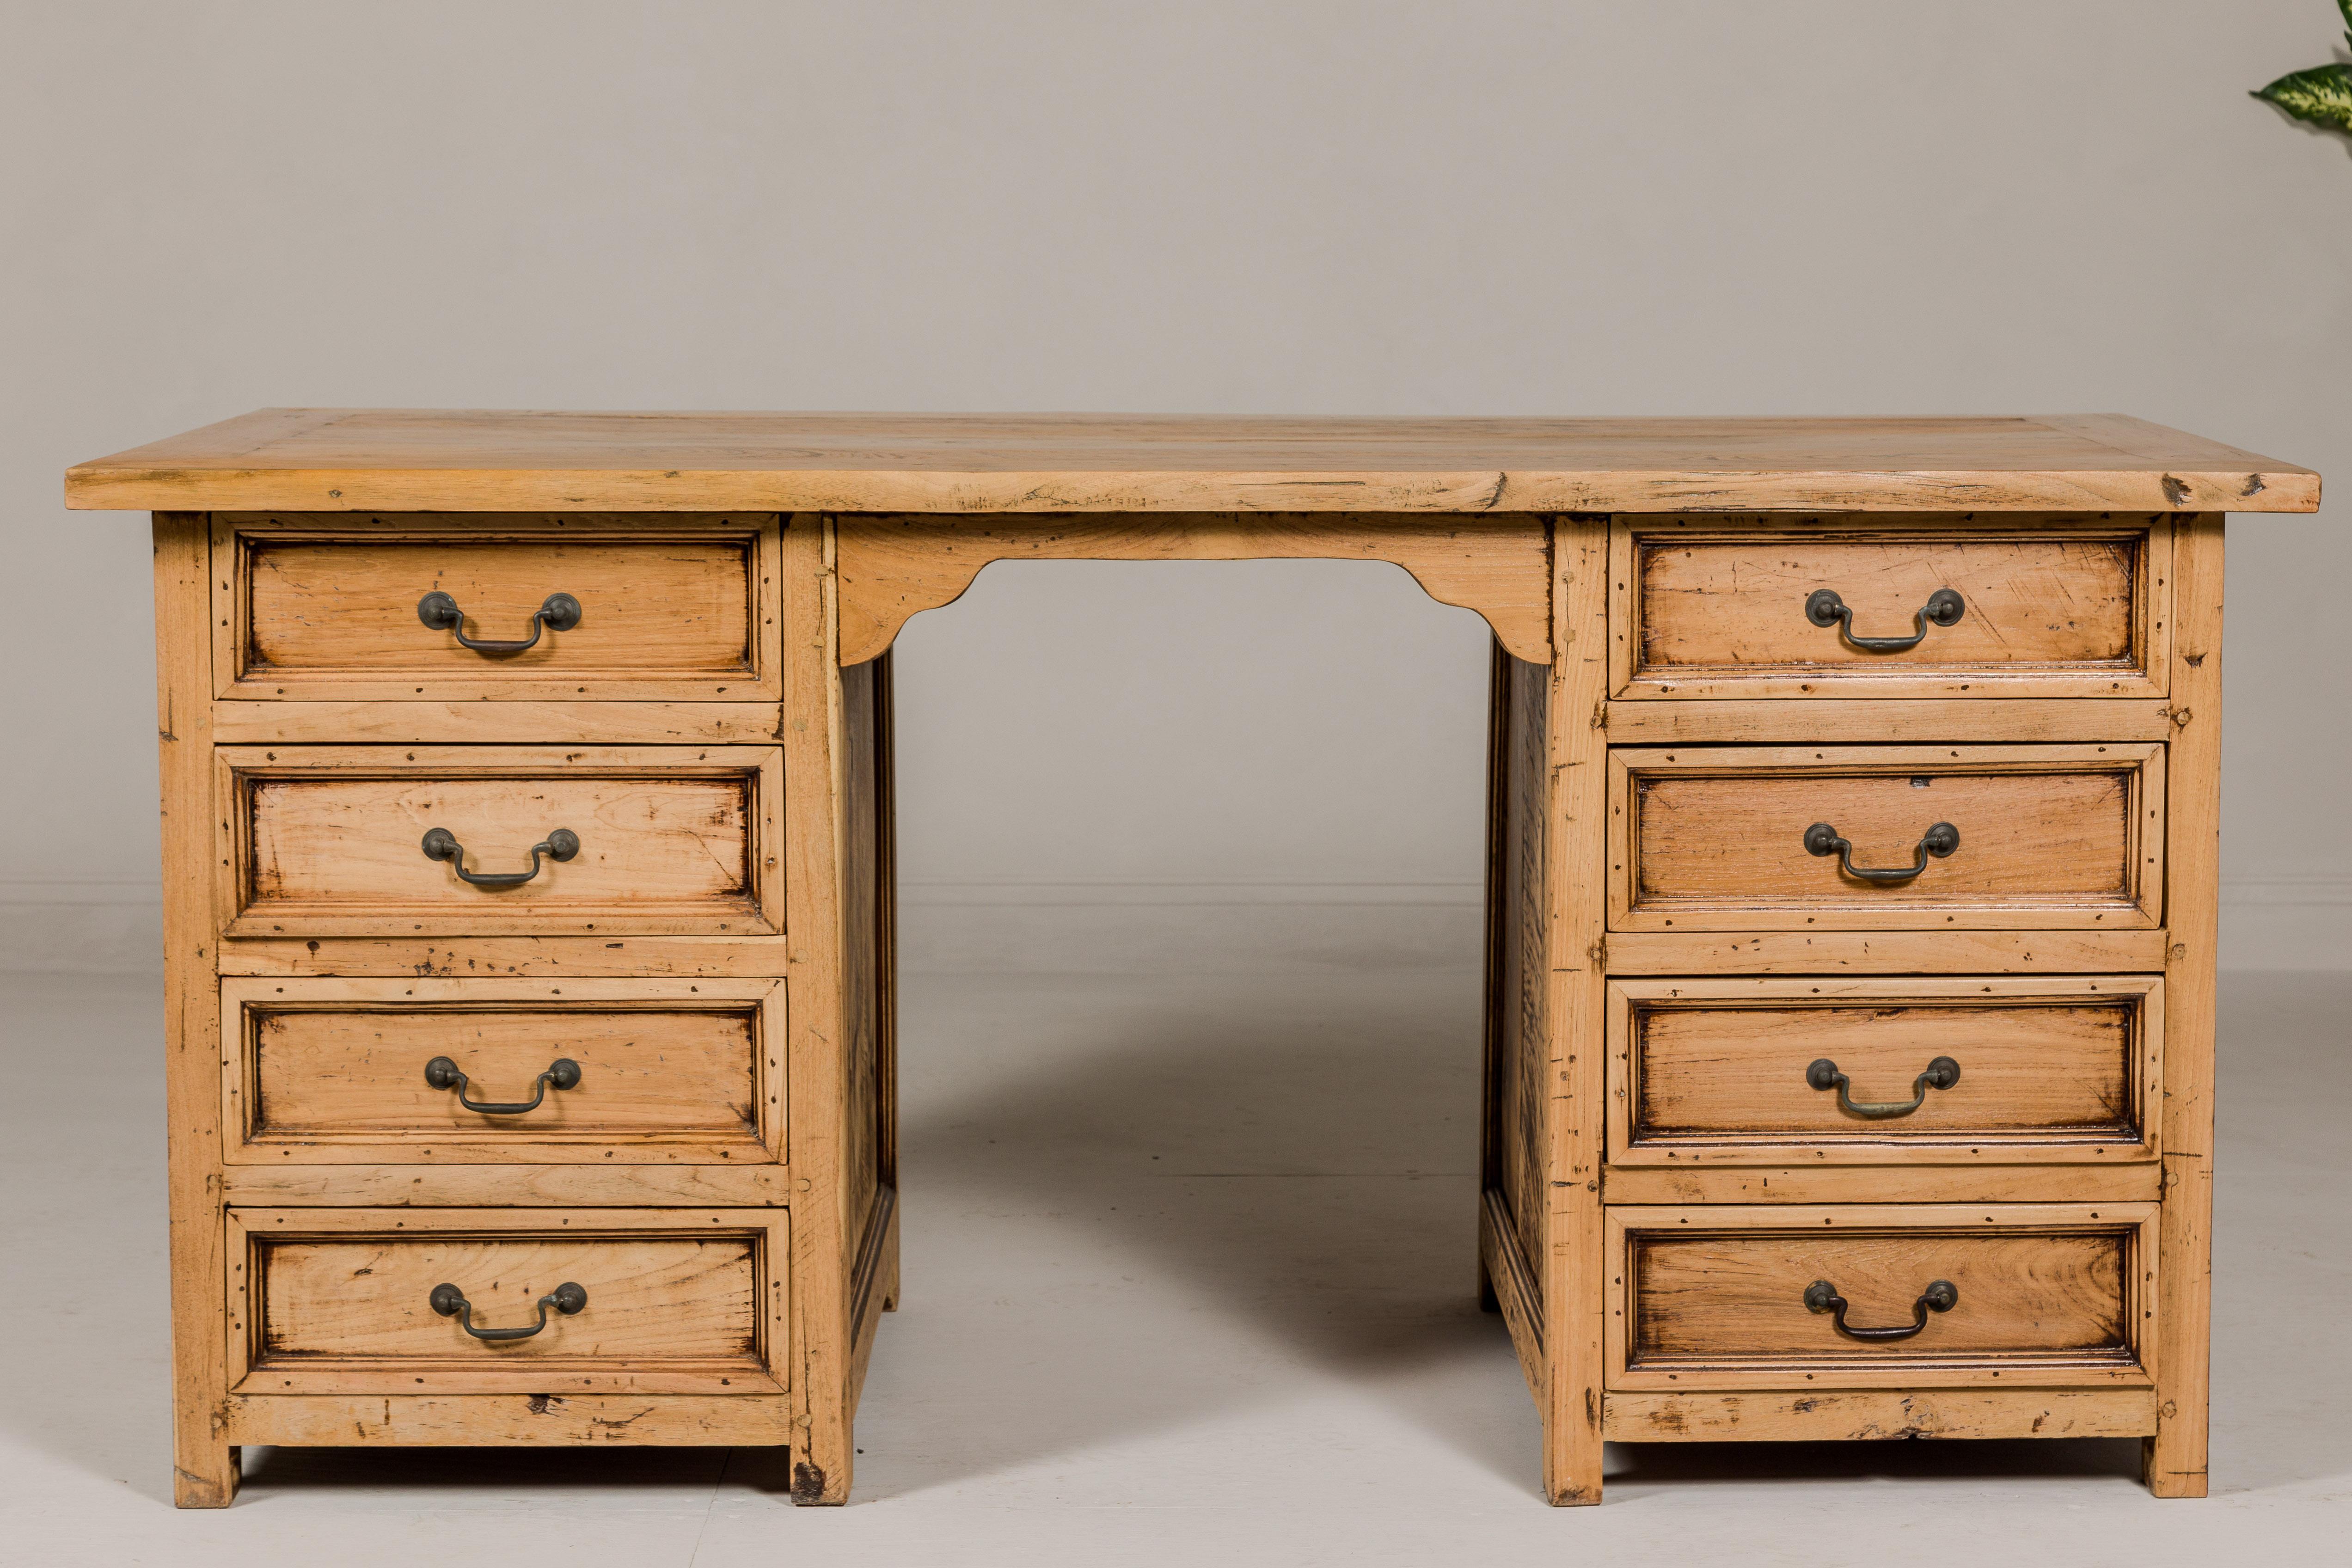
451 1302
1938 841
562 1073
1824 608
440 843
1941 1296
557 612
1942 1073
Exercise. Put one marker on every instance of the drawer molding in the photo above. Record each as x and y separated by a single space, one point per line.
1764 1256
394 1119
652 805
2081 848
1853 1007
443 1360
684 607
2037 593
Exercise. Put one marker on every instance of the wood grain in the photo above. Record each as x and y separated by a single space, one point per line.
506 721
1713 1071
205 1459
336 1300
2175 1457
1978 1181
670 1071
528 1420
1713 838
733 1185
491 460
1713 1297
824 1332
1885 953
1575 1261
895 567
318 606
652 956
326 840
1821 720
1873 1415
2054 608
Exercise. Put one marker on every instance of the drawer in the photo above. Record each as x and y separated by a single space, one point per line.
332 606
336 1071
2044 607
1966 837
670 1300
1724 1072
332 840
1998 1295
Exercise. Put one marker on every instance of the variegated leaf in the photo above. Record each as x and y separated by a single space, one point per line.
2322 96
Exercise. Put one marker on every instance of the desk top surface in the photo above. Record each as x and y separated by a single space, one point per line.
346 459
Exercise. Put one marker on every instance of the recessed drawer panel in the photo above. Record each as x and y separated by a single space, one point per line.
2000 1295
501 840
507 1300
1886 838
352 1071
675 607
1836 1071
1881 607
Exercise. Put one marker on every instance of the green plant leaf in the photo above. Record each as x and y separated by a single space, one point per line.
2322 95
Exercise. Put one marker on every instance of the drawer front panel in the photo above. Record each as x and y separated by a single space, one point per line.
342 1301
335 1071
1722 1071
680 608
1711 607
330 840
1717 838
1718 1297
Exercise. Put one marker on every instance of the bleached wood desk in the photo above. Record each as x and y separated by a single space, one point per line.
528 902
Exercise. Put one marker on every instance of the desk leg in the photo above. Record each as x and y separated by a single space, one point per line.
2174 1460
1573 1266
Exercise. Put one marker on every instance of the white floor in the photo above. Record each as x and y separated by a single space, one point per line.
1188 1280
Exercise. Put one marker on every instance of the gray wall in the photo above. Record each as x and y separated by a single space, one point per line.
1546 207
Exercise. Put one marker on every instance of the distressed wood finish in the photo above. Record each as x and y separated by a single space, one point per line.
1978 1181
895 567
337 1301
204 1458
1713 838
652 957
1714 1297
1574 1261
333 1070
1810 720
1709 607
1948 952
522 1420
327 840
322 606
2175 1457
818 857
1657 1184
1873 1415
509 460
1713 1071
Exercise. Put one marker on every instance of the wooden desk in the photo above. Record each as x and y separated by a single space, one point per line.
1851 909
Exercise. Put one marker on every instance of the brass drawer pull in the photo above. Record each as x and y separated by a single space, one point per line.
1820 1295
1940 840
1824 608
563 1073
440 843
439 611
451 1302
1942 1073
